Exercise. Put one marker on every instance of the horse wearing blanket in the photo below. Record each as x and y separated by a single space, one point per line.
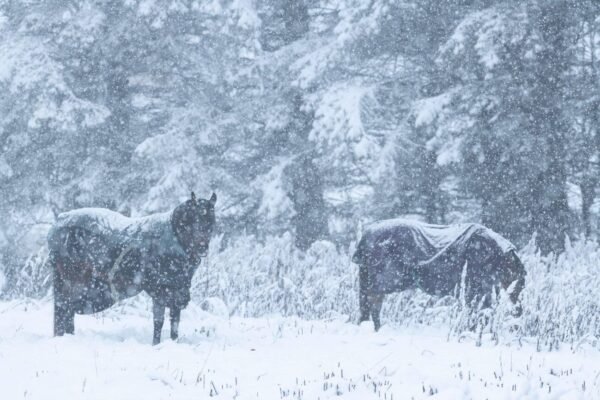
398 254
99 257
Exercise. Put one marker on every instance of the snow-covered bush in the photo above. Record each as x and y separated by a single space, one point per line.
255 278
32 280
560 301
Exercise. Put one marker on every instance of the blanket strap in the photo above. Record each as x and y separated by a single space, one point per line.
111 274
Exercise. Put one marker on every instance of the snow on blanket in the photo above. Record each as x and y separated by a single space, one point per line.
117 228
271 358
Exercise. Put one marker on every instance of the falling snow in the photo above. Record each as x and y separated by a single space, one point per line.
311 120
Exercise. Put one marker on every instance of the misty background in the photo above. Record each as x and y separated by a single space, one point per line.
308 118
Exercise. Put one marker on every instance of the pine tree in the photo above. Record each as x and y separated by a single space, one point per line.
508 65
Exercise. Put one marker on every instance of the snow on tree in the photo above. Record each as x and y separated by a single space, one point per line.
310 117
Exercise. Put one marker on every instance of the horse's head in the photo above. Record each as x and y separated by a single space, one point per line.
513 273
512 278
193 222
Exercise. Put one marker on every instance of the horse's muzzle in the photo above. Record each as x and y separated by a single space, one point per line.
202 246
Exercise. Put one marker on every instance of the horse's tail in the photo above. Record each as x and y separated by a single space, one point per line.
56 265
52 264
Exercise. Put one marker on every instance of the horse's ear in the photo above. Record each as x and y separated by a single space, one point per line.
193 197
213 199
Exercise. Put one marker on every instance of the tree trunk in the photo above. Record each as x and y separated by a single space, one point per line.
548 203
307 195
588 194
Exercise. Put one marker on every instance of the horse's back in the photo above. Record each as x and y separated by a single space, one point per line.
104 225
425 242
414 241
98 236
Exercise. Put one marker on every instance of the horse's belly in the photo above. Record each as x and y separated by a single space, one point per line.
91 305
96 295
89 297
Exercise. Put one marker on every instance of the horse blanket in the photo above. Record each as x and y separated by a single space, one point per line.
402 254
112 257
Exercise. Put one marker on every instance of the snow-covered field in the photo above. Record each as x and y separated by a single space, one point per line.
110 357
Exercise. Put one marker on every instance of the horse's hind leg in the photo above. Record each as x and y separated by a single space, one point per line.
175 313
64 319
70 321
64 315
62 323
158 312
363 297
376 304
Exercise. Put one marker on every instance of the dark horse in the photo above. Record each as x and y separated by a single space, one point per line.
396 255
99 257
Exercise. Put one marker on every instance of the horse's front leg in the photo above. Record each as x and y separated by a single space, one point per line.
158 312
175 313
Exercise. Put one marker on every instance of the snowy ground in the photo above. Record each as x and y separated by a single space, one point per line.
271 358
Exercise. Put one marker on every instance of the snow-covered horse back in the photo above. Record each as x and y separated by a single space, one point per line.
399 254
99 257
